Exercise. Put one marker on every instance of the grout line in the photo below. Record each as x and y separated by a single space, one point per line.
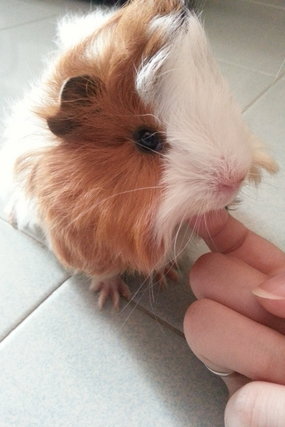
31 236
281 71
244 67
261 3
161 321
33 21
262 93
153 316
132 303
35 308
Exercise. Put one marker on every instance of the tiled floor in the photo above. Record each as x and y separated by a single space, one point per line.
63 363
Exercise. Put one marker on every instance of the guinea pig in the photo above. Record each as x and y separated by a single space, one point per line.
130 132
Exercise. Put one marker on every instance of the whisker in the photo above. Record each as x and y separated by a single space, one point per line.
151 291
134 296
177 235
129 315
146 279
207 228
193 231
136 303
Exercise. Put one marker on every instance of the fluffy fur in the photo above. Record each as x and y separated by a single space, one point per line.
70 163
209 143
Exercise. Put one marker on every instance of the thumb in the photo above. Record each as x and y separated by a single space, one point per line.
271 295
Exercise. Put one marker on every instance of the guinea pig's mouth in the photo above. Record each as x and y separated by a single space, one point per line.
216 191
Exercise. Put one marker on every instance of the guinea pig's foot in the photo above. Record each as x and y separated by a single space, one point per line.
113 288
160 280
12 220
169 273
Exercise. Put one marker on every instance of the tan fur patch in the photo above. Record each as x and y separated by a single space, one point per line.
97 193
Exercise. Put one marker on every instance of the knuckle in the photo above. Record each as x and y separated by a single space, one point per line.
199 277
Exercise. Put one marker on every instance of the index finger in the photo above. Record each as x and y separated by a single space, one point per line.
227 235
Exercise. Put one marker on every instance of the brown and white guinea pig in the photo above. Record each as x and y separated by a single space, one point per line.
131 131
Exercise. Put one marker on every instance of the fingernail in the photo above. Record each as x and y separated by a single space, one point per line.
273 288
261 293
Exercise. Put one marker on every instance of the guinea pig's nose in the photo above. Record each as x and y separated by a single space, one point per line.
229 185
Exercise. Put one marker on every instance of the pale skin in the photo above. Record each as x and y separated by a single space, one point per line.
238 322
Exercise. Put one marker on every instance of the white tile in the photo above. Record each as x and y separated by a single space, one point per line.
70 365
245 84
263 208
247 34
28 274
62 6
15 12
24 49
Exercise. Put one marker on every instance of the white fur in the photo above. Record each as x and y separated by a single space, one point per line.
167 24
24 133
209 142
150 68
147 73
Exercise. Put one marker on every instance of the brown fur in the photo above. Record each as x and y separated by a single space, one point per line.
97 193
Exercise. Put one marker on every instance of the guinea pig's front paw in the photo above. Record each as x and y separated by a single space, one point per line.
12 220
170 272
112 287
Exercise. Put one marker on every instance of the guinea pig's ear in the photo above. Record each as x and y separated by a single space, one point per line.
77 94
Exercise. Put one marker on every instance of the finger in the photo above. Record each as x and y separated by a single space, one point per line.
257 404
225 234
271 295
234 382
231 281
231 341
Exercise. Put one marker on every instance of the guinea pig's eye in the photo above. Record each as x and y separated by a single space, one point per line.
148 139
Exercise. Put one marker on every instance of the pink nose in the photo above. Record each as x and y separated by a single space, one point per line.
228 186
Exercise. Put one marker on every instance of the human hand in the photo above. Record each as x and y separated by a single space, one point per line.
238 323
